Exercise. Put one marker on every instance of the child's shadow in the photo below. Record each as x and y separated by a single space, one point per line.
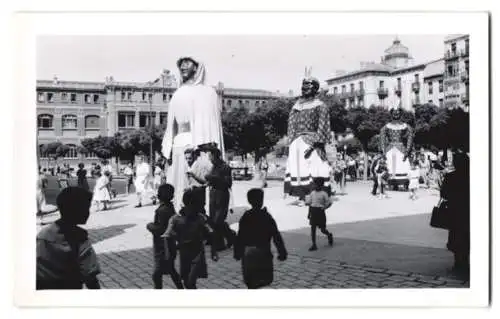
99 234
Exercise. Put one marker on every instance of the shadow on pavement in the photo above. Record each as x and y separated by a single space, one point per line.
99 234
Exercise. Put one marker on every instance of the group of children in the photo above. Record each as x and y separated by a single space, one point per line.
66 260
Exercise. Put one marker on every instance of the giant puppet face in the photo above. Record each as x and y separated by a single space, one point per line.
187 69
396 114
310 87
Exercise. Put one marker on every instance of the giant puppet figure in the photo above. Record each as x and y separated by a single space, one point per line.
396 143
308 132
193 120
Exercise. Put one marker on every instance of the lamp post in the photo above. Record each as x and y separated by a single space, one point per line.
150 98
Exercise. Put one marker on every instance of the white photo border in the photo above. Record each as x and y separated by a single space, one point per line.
30 25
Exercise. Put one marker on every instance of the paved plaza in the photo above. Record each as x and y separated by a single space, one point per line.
379 243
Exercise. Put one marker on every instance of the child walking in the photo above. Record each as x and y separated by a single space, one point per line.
65 258
164 251
189 229
101 190
414 180
253 242
318 201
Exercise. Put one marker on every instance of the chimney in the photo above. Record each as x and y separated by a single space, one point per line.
56 80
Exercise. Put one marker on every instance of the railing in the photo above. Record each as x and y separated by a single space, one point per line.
360 92
465 76
398 90
382 92
415 86
451 55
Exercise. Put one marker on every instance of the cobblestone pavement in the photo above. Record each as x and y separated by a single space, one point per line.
132 270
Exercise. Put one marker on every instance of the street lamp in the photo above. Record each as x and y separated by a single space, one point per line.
150 98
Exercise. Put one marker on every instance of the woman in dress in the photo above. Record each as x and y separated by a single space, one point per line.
157 179
193 120
309 131
142 181
101 191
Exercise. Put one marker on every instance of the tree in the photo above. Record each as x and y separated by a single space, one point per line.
424 115
338 112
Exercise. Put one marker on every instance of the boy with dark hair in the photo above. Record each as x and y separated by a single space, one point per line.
253 242
189 229
65 258
164 251
318 201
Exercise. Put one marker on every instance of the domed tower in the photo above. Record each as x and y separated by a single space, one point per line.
397 55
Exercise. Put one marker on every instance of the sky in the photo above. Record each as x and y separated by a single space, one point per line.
270 62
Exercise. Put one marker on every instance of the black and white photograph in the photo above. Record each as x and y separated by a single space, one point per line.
327 162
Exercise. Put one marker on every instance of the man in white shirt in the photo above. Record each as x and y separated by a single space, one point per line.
129 173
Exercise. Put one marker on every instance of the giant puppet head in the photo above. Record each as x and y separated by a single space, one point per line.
191 71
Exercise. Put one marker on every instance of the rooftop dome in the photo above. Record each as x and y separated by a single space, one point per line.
396 50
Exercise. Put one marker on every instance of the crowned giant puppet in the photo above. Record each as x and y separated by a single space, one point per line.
308 133
396 143
193 120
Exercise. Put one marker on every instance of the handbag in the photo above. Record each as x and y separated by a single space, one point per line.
440 217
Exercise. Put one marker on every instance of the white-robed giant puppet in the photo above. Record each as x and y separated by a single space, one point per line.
193 120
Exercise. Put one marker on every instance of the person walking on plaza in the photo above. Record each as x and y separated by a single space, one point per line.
65 258
455 190
142 182
220 183
81 174
193 120
199 166
106 167
414 179
129 174
318 201
253 242
190 228
101 191
339 174
373 171
157 179
165 251
382 173
309 132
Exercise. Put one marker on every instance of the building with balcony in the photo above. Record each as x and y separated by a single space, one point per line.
397 80
456 71
70 111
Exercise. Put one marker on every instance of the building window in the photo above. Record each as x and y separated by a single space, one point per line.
87 98
229 102
343 88
399 82
41 97
335 90
381 84
352 87
73 98
96 98
430 87
441 86
163 118
50 97
126 120
416 78
454 48
69 122
72 153
150 96
144 119
45 121
144 96
92 122
467 67
64 97
360 85
451 71
257 103
164 97
90 155
129 96
440 102
170 96
240 103
123 95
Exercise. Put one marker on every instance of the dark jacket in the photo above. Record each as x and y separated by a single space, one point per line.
162 216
